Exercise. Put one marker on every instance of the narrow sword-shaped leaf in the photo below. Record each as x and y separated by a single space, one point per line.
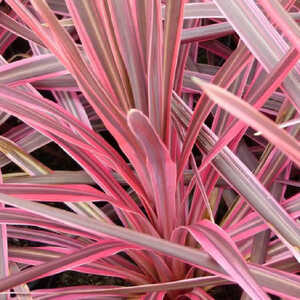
20 30
171 43
46 237
202 190
167 286
114 265
41 67
219 245
57 177
154 70
17 217
206 33
201 10
42 192
241 109
161 170
25 161
26 138
82 256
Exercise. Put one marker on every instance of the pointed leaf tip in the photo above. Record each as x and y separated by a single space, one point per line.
202 84
135 118
252 117
198 81
133 112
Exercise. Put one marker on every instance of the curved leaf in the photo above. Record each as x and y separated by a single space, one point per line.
219 245
79 257
162 170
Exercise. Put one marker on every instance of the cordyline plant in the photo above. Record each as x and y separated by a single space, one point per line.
194 189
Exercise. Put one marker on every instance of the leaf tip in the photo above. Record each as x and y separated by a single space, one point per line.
196 80
134 116
132 112
199 81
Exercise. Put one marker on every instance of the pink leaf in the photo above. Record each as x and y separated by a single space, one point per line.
250 115
82 256
161 168
219 245
173 28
